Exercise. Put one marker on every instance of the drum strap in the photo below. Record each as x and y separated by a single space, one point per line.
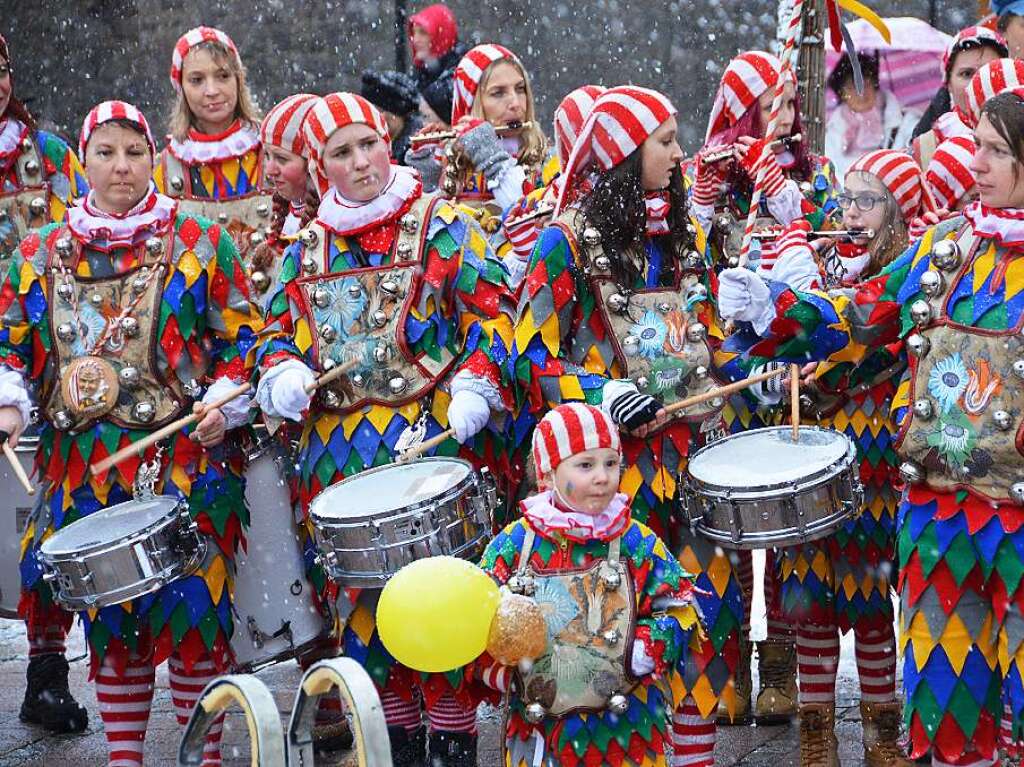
614 547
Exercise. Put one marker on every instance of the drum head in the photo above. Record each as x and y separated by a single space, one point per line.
767 457
390 488
109 525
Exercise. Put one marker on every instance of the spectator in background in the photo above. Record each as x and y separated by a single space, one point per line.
1010 24
864 121
436 99
434 40
394 94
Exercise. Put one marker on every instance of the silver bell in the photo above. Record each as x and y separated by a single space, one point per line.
379 318
1002 420
404 251
66 331
355 290
321 298
328 333
177 183
642 382
912 472
618 303
262 210
716 402
328 363
611 578
807 403
331 398
923 409
309 237
358 380
154 246
931 283
591 237
611 636
66 290
96 299
1017 493
409 223
222 218
696 333
535 713
946 255
139 283
37 207
918 345
32 167
389 286
1018 368
920 313
380 354
693 259
130 326
664 307
806 189
256 238
129 376
397 384
260 281
700 373
309 265
62 420
603 263
144 412
618 704
631 346
63 247
26 144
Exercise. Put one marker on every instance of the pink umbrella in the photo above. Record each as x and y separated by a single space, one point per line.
910 67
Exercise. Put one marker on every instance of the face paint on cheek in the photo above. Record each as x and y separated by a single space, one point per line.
570 490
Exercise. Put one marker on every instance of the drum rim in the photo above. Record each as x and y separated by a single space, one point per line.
469 479
46 547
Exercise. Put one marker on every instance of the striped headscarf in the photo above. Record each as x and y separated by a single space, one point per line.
282 127
190 40
570 429
990 80
471 70
949 175
327 115
901 176
113 110
745 79
570 115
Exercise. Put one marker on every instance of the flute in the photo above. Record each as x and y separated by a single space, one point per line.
540 212
726 153
835 234
440 136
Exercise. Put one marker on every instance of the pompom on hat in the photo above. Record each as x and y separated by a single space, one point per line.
570 429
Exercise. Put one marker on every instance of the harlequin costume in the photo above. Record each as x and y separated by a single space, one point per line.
220 176
193 306
420 276
575 339
573 564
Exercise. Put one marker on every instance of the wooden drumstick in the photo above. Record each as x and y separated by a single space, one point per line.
138 448
417 450
16 467
794 399
722 391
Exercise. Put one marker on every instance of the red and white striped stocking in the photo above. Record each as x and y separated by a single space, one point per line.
817 657
125 700
693 737
448 715
186 687
876 664
399 712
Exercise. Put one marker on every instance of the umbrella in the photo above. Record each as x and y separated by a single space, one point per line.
910 67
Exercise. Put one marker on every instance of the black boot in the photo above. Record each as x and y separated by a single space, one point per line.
452 749
48 700
332 736
407 750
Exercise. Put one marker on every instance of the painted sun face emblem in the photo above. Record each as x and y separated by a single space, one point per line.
90 387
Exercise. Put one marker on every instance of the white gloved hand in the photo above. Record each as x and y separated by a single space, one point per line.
288 395
641 663
468 413
744 296
767 392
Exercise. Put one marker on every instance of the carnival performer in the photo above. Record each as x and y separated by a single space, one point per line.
576 549
434 41
385 266
970 50
1010 24
63 322
212 161
949 177
843 582
797 185
950 305
40 177
616 311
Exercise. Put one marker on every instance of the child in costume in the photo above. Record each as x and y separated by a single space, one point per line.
617 606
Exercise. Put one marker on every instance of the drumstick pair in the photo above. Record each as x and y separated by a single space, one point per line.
137 448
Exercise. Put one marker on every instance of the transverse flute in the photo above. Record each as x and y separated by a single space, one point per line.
438 137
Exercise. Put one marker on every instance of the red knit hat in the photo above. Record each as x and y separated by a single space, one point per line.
113 110
471 70
900 175
190 40
745 79
570 429
327 115
990 79
282 127
439 22
621 120
570 116
949 175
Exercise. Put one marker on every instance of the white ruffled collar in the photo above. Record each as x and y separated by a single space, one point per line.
151 216
200 148
12 131
1004 225
346 217
541 512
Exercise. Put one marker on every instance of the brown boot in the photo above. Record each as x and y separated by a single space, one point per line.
744 686
818 744
776 667
881 724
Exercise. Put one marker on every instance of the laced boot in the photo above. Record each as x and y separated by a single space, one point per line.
743 685
452 749
818 744
881 725
48 700
408 750
776 667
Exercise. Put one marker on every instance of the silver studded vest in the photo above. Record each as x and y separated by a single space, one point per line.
654 333
591 621
29 206
146 398
360 314
964 426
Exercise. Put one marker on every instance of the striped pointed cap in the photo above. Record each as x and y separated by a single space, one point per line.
621 120
113 110
190 40
990 80
282 127
949 175
745 79
900 175
329 114
570 429
570 116
471 70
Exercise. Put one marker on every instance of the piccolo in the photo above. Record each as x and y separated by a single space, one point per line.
540 212
835 234
440 136
726 153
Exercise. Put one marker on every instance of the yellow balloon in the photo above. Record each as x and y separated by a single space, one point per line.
435 614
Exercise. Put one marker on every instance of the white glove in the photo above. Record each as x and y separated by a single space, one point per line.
468 413
282 390
796 268
744 296
641 663
767 392
235 412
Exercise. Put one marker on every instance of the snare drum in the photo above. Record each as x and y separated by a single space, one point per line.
18 506
760 489
118 554
370 525
275 616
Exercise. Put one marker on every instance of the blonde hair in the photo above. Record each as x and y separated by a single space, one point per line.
182 118
534 143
